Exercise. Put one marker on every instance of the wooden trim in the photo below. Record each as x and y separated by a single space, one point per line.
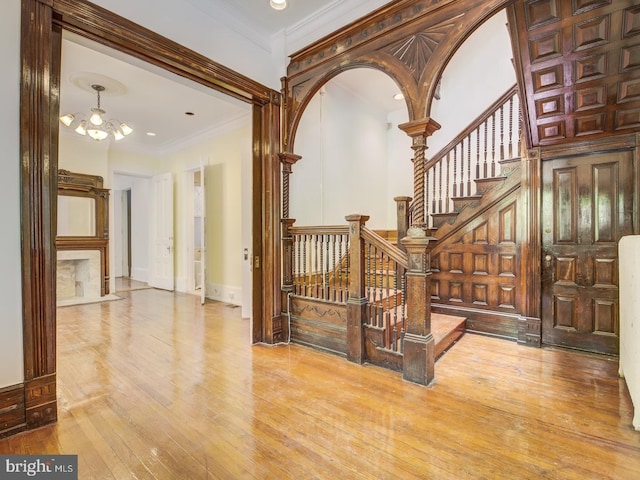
12 410
380 243
41 40
321 230
486 322
103 26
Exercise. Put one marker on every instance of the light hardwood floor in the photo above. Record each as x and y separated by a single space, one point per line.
157 387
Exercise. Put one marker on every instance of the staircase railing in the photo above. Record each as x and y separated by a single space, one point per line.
322 268
474 155
385 273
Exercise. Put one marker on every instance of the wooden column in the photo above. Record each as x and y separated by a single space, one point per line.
419 130
39 163
357 303
288 160
402 214
418 347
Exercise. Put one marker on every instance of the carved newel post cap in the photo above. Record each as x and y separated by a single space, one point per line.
417 232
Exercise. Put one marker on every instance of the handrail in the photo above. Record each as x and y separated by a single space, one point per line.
320 230
394 252
480 119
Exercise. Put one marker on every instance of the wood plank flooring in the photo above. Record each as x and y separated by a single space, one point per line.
157 387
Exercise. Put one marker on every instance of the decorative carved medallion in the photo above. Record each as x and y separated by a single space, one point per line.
416 50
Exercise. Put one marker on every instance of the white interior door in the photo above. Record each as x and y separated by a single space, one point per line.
203 237
161 251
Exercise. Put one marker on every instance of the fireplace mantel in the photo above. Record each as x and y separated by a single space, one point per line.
80 185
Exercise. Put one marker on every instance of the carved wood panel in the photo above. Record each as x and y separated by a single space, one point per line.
410 40
479 267
580 67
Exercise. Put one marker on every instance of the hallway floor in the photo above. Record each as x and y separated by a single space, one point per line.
157 386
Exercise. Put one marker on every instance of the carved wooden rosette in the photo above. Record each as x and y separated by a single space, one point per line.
409 40
419 131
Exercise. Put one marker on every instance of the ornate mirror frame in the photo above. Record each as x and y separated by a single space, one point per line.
88 186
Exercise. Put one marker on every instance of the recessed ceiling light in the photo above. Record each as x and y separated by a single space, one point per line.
398 96
151 134
278 4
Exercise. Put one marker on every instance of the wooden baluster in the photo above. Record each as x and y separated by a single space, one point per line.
426 198
434 199
511 127
469 165
478 152
334 267
461 184
340 280
440 187
296 265
501 132
387 275
455 161
395 296
375 274
493 145
448 178
303 276
486 148
403 309
321 270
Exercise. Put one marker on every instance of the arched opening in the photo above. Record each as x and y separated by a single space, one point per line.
354 158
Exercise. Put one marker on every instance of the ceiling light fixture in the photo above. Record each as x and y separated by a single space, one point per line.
278 4
398 96
96 127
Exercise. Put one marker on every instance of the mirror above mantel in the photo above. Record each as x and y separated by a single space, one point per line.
82 237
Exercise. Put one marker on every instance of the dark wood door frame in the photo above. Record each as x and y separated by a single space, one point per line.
41 35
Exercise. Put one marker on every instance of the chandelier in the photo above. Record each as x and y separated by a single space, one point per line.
96 126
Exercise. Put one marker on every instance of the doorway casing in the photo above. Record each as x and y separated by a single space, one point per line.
42 24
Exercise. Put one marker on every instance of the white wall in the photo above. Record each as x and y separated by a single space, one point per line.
225 197
11 362
341 138
630 319
468 87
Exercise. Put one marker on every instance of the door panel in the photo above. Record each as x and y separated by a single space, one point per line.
586 205
161 232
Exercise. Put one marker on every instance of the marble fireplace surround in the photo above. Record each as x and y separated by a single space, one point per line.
78 275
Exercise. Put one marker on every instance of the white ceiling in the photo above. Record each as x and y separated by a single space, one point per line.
152 100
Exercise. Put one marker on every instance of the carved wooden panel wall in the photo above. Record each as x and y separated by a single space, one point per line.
319 324
580 67
478 268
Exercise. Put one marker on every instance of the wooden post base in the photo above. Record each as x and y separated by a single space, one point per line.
419 358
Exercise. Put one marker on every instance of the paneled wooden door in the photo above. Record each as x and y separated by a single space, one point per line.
586 208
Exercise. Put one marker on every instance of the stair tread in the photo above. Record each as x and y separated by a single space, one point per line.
446 330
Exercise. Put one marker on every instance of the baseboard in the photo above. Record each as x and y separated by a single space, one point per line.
530 331
40 401
224 293
12 410
181 284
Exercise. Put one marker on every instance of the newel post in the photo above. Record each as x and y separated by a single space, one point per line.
419 130
357 303
418 348
402 213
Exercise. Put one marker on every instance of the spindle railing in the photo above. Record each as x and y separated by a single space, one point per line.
385 285
321 267
475 154
321 262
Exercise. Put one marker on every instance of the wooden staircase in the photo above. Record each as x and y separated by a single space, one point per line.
446 329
